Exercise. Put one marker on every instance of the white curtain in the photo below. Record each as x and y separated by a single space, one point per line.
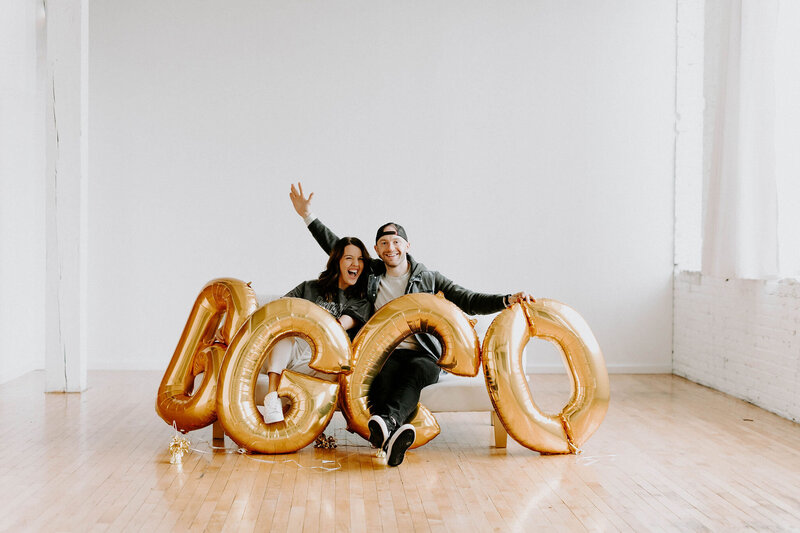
787 136
753 189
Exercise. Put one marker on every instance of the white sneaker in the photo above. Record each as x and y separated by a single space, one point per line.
273 408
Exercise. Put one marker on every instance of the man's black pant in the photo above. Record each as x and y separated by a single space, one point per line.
395 390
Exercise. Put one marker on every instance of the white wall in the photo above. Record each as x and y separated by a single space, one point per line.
524 145
22 238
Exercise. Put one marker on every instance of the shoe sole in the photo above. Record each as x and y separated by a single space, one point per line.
377 432
400 442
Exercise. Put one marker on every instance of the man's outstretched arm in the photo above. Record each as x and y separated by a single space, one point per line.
302 205
476 303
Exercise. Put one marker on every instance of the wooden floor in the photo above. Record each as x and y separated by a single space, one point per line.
670 456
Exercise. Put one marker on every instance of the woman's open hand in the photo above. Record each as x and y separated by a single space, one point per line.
302 204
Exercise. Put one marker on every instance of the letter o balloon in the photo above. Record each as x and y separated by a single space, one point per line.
503 346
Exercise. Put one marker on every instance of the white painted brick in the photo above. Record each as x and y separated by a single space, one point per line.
740 337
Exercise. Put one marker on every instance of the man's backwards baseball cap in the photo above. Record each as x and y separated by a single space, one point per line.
391 228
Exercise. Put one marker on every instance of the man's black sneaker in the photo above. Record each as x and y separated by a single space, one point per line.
399 443
378 431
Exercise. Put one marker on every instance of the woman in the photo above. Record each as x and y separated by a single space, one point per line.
340 289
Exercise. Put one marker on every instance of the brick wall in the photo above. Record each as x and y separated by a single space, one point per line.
740 337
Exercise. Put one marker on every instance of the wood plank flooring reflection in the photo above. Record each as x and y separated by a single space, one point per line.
671 455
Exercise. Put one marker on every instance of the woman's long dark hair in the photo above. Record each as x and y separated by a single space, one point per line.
329 278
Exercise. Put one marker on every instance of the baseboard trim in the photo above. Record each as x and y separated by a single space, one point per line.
11 374
110 364
612 369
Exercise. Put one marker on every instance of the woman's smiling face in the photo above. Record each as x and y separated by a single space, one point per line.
351 265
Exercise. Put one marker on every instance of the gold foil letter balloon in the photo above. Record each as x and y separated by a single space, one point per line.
508 388
409 314
312 400
220 308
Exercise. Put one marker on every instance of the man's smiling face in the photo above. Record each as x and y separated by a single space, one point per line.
392 249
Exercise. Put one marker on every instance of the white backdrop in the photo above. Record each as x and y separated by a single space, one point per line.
524 145
22 189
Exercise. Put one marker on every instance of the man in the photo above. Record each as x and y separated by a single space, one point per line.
394 393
